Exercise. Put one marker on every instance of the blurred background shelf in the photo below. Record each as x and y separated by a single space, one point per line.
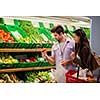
23 50
25 69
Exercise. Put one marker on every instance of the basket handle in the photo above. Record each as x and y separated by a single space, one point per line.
78 71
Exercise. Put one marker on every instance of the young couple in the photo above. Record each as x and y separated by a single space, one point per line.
66 52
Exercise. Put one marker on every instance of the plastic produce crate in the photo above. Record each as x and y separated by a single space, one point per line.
47 33
44 45
27 64
12 28
22 33
3 27
25 45
41 24
9 45
6 66
37 45
16 22
40 64
44 64
49 45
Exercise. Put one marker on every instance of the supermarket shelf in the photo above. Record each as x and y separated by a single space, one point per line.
22 50
25 69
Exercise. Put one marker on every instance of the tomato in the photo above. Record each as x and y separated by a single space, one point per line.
44 49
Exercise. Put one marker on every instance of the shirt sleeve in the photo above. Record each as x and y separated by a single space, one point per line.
72 44
52 51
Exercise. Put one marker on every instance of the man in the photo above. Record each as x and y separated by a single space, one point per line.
61 51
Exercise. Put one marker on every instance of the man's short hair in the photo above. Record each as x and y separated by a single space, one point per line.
58 29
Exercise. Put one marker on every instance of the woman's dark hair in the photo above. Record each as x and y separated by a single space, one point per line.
83 39
58 29
87 60
82 48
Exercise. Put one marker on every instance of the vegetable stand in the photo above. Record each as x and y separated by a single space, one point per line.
21 41
24 69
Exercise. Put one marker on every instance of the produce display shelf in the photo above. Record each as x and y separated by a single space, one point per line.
23 50
25 69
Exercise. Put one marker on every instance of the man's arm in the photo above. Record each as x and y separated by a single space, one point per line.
50 59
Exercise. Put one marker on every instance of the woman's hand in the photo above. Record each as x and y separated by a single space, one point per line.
72 55
65 62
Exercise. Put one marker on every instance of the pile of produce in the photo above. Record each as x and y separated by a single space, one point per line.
25 40
39 77
30 59
9 78
5 36
31 31
7 59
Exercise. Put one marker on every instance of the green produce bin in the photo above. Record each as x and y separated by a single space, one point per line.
44 64
12 28
37 45
6 66
25 45
44 45
41 24
16 22
49 45
27 64
3 27
22 33
2 66
9 45
15 65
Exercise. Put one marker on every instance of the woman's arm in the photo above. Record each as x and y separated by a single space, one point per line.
84 56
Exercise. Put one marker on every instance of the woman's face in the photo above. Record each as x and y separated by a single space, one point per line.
76 38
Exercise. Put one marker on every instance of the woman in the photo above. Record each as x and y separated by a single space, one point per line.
83 55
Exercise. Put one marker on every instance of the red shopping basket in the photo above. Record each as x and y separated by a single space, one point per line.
71 79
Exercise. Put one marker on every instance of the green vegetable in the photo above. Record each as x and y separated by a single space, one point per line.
38 76
31 31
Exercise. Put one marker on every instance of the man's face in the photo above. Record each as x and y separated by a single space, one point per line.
58 37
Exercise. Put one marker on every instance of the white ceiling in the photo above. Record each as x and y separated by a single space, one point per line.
70 20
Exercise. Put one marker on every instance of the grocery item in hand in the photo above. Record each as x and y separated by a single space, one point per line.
44 49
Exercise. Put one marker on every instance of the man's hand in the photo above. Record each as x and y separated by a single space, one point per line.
44 52
50 59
